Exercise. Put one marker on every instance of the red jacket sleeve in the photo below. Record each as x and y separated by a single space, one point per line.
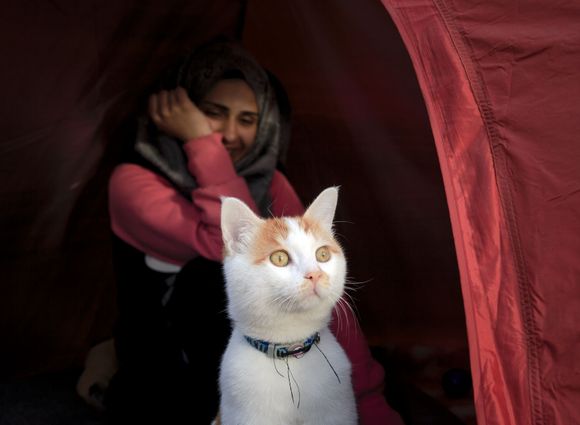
149 214
367 373
285 201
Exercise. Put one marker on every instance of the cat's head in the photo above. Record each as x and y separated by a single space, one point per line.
289 270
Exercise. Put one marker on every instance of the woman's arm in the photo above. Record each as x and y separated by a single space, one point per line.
367 373
149 214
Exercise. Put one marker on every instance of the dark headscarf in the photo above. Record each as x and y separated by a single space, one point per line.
198 73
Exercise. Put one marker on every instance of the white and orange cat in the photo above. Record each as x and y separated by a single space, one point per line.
284 276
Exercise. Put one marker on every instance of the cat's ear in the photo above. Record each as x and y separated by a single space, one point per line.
238 223
323 207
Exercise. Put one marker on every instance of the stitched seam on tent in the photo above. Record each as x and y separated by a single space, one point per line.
410 39
506 198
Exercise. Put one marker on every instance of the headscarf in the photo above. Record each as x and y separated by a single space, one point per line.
198 73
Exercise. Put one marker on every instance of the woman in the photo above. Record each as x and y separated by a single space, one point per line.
219 133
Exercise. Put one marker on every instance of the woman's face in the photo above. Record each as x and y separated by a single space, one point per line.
231 109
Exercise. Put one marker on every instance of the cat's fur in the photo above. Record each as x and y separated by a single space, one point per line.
282 305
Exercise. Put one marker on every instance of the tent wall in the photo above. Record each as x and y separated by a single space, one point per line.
500 80
78 72
72 74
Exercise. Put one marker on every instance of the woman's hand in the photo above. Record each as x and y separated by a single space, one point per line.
175 114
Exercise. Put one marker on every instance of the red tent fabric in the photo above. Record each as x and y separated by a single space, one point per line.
501 83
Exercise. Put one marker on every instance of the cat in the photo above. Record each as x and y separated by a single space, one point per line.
282 365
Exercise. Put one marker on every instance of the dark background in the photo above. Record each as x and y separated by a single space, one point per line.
76 73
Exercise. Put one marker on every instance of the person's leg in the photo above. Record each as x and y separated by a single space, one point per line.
148 378
198 318
169 355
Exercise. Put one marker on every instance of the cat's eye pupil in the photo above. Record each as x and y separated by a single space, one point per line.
323 254
280 258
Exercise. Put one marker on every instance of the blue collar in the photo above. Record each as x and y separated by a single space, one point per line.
296 349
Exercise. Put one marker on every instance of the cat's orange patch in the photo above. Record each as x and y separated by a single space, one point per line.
320 233
269 238
311 226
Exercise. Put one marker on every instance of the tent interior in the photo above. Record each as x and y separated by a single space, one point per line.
75 76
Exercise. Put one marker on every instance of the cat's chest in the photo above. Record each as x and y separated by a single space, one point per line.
313 389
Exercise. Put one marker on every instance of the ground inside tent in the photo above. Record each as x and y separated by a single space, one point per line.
413 387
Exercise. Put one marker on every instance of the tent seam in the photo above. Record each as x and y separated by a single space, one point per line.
444 151
410 39
505 192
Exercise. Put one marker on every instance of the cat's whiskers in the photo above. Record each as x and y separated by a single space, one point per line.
351 286
282 301
354 285
352 305
342 308
349 292
342 314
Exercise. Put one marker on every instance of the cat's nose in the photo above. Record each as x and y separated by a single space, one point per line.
314 277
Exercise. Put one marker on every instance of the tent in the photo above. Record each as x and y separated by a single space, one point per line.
450 126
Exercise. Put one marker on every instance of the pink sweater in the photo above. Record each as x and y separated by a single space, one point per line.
149 214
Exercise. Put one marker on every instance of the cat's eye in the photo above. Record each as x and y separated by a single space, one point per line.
280 258
323 254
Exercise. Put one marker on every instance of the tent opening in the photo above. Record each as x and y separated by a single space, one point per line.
360 122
